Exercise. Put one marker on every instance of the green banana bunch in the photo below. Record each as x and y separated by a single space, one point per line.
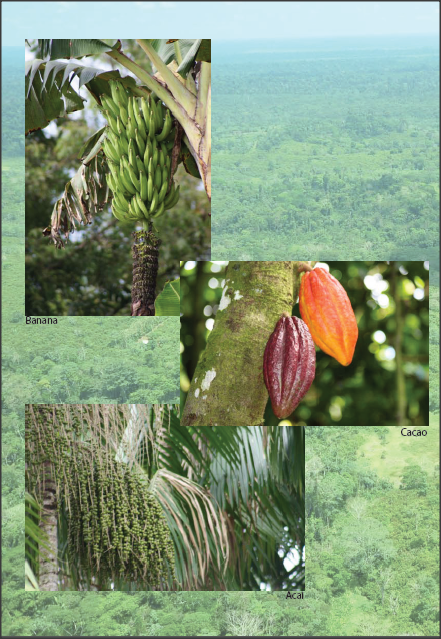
138 147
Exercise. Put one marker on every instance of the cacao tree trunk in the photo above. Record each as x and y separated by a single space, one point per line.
145 252
228 388
196 316
48 577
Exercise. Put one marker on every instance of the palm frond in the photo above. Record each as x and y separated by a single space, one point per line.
197 526
285 447
248 473
34 534
234 478
35 540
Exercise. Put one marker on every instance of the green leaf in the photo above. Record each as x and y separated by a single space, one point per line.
54 49
49 94
204 52
169 301
92 146
188 49
42 103
188 59
189 162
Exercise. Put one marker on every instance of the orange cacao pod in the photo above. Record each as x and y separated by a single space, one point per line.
288 364
327 311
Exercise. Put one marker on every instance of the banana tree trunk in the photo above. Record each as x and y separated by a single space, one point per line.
48 577
145 253
228 388
200 144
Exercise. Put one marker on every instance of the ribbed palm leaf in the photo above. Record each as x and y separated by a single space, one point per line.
256 475
35 541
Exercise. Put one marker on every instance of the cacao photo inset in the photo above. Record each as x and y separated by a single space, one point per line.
288 364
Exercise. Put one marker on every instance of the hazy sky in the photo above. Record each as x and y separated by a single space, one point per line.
216 20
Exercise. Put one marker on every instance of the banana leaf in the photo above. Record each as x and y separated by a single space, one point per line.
169 302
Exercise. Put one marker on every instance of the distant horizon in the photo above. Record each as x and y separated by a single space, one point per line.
221 21
332 37
295 38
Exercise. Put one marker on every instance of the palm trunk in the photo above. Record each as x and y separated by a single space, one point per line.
145 252
48 578
228 388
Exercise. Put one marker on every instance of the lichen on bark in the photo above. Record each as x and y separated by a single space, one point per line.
228 387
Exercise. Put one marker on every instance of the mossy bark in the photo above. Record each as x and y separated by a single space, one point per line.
145 252
228 388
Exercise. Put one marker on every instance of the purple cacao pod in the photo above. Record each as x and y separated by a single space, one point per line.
288 364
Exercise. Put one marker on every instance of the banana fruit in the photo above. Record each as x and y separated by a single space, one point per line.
138 149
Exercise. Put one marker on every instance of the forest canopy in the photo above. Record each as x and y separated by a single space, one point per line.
327 149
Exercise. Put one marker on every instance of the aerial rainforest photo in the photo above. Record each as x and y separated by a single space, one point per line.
283 481
121 497
118 136
328 147
305 343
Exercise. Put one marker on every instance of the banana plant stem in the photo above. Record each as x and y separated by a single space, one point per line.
177 52
145 253
178 90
